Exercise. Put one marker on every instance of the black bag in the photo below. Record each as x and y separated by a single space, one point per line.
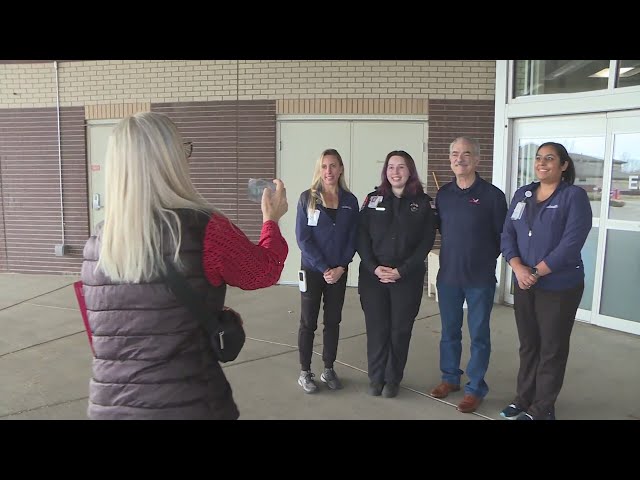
224 327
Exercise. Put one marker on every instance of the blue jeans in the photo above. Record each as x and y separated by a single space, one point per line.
479 305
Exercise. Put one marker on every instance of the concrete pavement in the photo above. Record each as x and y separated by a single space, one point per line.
45 362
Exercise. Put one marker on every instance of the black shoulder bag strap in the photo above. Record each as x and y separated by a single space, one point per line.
181 288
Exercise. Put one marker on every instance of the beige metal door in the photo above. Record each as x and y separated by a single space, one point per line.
98 132
301 143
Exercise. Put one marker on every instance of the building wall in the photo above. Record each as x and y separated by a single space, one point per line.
161 81
228 108
449 119
233 141
32 218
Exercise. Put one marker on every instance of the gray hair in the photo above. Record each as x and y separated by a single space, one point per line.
475 144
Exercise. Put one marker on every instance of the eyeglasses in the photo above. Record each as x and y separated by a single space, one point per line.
188 148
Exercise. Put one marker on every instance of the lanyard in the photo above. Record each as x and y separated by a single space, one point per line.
530 209
534 208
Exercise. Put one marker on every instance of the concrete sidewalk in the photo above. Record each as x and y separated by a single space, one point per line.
45 362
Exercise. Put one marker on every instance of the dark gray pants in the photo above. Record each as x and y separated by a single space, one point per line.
333 295
544 319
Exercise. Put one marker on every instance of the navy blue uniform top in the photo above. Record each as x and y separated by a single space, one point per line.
330 243
396 232
554 231
470 223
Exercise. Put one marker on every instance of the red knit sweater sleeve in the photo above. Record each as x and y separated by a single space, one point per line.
230 257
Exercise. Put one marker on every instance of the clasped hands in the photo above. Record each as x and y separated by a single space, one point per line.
387 274
332 275
525 278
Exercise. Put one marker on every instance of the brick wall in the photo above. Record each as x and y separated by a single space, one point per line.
160 81
449 119
3 234
227 107
32 220
232 142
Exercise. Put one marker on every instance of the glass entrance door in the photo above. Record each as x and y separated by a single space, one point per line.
584 138
618 301
606 152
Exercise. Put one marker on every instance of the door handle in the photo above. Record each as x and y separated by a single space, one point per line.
96 201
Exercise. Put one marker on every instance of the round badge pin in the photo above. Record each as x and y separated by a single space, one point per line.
528 193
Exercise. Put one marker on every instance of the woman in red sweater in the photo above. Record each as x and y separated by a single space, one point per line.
152 358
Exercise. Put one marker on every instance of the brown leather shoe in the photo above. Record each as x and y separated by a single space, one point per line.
444 389
469 403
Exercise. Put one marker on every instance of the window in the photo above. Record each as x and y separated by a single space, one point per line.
541 77
628 73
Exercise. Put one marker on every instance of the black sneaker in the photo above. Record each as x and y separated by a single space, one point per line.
390 390
375 389
331 379
511 412
305 380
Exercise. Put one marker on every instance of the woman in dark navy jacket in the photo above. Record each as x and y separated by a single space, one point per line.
326 226
396 232
546 227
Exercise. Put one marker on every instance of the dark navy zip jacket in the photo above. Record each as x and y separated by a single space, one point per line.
554 232
328 244
470 223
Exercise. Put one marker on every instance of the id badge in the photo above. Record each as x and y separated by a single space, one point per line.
518 211
374 201
312 219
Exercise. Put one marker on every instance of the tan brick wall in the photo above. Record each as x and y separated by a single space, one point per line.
114 110
27 85
353 106
156 81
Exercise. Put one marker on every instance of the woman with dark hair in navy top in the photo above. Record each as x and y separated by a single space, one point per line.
546 227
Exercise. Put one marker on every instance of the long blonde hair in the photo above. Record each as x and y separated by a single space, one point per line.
146 178
316 181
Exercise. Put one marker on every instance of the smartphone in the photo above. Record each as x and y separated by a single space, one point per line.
302 280
256 186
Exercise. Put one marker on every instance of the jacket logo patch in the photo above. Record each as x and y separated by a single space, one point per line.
413 207
475 201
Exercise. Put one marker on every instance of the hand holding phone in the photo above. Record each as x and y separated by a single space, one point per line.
256 187
274 203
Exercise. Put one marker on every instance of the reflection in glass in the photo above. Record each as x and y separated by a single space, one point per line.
589 252
628 73
624 203
621 276
587 154
538 77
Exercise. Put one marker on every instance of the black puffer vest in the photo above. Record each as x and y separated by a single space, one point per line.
153 360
